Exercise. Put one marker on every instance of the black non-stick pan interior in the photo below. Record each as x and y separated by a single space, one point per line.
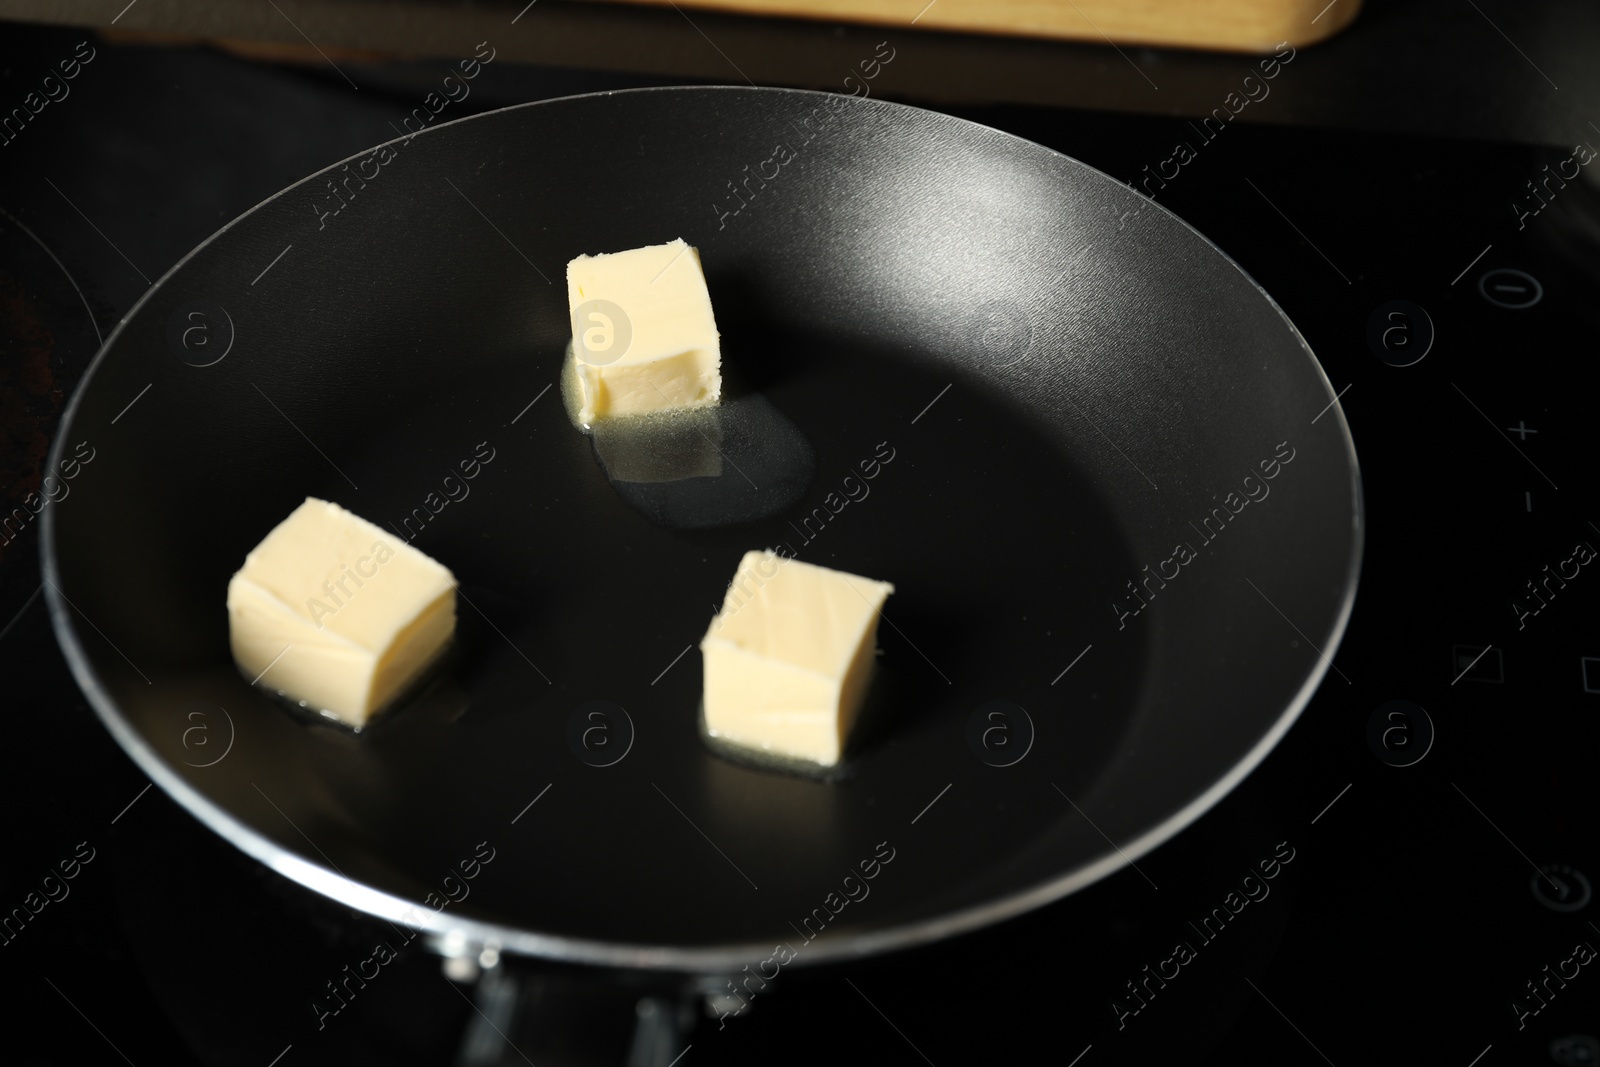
1106 610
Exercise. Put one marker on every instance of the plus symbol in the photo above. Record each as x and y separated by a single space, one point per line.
1521 430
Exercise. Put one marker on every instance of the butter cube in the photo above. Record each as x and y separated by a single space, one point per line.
788 657
334 612
643 336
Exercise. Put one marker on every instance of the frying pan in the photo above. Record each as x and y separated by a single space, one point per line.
1108 480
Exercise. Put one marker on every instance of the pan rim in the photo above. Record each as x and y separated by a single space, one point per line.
662 957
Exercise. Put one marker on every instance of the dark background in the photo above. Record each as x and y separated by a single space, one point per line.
1383 163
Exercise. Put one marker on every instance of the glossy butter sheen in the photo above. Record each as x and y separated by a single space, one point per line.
339 614
645 339
788 657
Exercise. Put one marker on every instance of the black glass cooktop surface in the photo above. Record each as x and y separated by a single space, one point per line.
1408 877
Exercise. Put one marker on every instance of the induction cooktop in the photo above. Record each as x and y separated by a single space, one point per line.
1408 877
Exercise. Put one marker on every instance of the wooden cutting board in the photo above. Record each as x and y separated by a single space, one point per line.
1225 25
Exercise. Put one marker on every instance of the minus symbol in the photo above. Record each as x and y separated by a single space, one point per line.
1501 287
1528 496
